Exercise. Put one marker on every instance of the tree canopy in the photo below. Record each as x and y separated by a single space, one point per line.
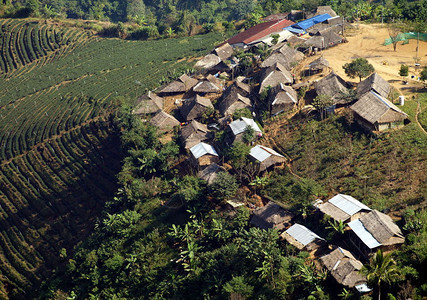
360 67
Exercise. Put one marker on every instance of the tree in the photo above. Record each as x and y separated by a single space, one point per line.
224 186
381 269
360 67
238 289
321 102
395 34
423 74
404 70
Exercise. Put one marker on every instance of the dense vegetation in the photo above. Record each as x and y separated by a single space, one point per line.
183 17
59 152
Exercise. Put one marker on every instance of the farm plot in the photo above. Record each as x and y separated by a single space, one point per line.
58 149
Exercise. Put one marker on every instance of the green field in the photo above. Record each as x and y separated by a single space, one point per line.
59 153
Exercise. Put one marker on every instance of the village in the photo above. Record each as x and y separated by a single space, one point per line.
261 73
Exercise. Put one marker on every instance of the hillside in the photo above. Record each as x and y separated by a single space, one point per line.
59 151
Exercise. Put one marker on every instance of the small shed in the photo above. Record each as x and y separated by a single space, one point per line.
208 85
333 86
376 83
303 238
282 98
203 155
375 113
238 127
182 85
265 157
148 104
163 121
271 216
344 267
195 108
319 64
275 75
343 208
375 230
194 133
210 173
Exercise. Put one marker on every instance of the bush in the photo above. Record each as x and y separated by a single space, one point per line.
224 186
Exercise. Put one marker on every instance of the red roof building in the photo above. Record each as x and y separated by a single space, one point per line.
257 32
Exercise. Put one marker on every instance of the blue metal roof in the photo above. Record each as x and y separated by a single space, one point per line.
294 30
310 22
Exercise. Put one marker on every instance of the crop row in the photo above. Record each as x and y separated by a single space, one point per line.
48 195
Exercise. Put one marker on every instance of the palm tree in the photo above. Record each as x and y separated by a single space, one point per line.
381 269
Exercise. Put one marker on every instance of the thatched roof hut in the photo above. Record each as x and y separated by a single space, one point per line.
330 36
271 216
148 104
376 229
374 82
376 113
333 86
210 84
265 157
275 75
302 238
194 133
210 173
241 88
224 51
296 40
232 102
319 64
182 85
282 98
207 62
195 107
316 42
344 267
343 208
285 55
164 121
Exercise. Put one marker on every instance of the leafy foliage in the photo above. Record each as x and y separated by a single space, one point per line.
360 67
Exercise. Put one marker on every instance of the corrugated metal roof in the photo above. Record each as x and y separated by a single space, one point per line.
261 153
311 21
302 234
202 149
366 237
239 126
294 30
283 35
348 204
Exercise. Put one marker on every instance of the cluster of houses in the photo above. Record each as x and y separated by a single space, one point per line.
187 103
366 231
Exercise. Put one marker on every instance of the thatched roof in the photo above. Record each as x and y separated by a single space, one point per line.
182 85
374 108
382 227
330 36
210 173
344 267
206 86
319 64
342 207
271 216
195 107
207 62
224 51
320 10
283 95
232 102
333 86
194 133
285 55
374 82
275 75
296 40
164 121
148 104
316 41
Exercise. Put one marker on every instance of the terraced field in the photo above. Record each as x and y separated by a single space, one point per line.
59 152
